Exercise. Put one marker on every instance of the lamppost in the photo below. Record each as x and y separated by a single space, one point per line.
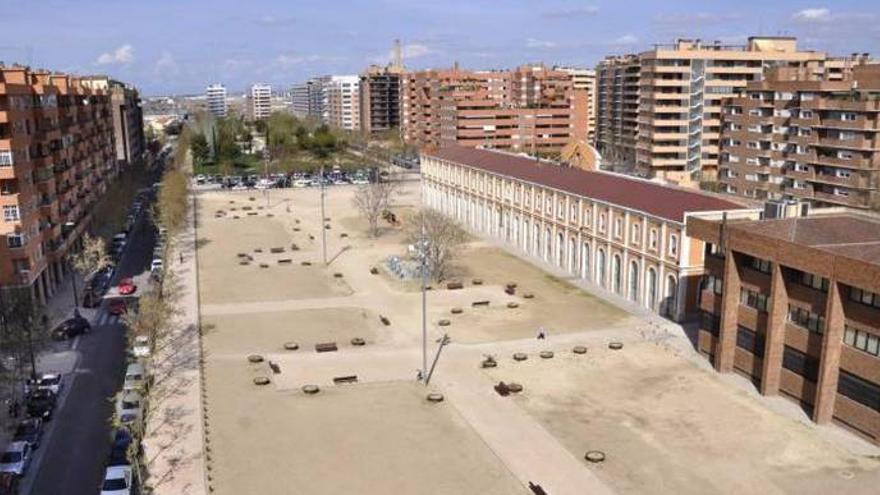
422 248
323 218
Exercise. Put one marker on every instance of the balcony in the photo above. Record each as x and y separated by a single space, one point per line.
6 158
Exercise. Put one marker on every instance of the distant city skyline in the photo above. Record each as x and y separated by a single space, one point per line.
165 47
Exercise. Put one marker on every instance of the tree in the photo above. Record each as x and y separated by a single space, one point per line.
91 258
438 236
23 329
372 200
201 152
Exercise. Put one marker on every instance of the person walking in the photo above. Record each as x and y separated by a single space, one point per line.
541 333
181 257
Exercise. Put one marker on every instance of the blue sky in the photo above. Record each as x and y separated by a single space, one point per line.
179 46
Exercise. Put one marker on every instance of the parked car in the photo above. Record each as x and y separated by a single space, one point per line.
16 459
117 481
71 327
141 347
119 447
156 265
129 407
50 381
126 287
135 377
117 307
41 404
29 430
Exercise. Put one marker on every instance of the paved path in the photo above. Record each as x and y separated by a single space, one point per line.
173 445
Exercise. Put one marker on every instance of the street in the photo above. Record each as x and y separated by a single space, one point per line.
76 444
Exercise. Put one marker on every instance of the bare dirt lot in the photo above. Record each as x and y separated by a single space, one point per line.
668 427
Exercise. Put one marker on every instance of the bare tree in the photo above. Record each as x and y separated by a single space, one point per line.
438 236
373 200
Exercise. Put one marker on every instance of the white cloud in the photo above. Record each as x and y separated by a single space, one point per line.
122 55
813 14
627 39
289 59
536 43
166 64
589 10
271 20
696 17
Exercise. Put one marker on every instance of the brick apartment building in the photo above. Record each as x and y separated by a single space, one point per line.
794 305
341 105
793 136
379 99
529 109
659 111
57 156
626 235
128 118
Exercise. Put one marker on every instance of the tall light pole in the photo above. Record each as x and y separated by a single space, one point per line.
423 252
323 217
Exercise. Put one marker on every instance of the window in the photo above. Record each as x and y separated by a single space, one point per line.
814 281
864 297
710 322
15 240
713 250
862 340
847 117
759 264
800 363
754 300
673 245
652 239
859 390
805 318
602 222
636 233
618 227
714 283
749 341
10 213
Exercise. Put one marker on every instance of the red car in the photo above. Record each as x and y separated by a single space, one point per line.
118 307
126 287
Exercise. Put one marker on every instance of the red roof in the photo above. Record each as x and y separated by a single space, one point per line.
669 202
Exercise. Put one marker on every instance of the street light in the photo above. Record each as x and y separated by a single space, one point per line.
422 248
323 219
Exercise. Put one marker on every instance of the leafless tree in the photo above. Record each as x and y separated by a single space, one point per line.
91 258
374 199
438 236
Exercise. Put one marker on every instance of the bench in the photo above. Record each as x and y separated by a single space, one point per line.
480 303
285 261
276 250
345 379
326 347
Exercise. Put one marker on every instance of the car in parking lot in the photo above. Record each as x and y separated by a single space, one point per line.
53 382
29 430
16 459
119 447
117 481
141 347
129 407
156 265
135 377
126 286
71 327
41 404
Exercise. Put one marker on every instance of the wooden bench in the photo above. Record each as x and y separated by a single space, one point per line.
480 303
345 379
326 347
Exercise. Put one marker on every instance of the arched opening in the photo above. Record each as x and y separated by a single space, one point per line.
585 261
634 281
548 240
560 249
669 300
572 255
601 263
526 233
651 299
617 274
536 234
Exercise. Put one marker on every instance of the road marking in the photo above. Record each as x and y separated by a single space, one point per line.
75 343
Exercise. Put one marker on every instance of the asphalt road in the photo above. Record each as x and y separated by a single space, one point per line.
71 459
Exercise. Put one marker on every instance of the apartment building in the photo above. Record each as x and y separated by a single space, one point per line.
57 156
260 101
660 110
793 136
793 304
215 95
308 98
341 102
128 118
626 235
585 79
529 109
379 99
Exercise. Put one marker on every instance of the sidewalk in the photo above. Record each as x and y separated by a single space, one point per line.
173 444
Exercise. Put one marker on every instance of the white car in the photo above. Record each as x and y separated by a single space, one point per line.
117 481
141 347
129 407
48 381
16 459
156 265
300 183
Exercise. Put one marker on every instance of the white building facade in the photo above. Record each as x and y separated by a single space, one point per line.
342 102
561 216
215 94
260 101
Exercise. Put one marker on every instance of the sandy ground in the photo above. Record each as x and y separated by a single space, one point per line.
667 427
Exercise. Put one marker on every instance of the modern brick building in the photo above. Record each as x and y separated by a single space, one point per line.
308 98
530 109
379 99
624 234
128 118
341 102
586 79
795 136
57 156
794 305
659 111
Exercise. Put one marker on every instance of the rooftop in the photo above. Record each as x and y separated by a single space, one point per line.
668 202
851 235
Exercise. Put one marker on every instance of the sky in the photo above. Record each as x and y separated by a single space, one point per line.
180 46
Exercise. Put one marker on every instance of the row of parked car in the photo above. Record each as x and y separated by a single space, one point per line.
335 176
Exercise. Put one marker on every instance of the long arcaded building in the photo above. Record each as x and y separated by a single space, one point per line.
659 111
